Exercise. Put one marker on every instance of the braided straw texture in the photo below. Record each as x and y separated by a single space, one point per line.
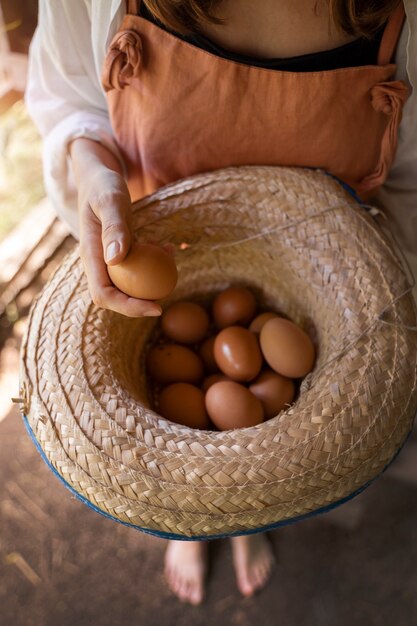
306 248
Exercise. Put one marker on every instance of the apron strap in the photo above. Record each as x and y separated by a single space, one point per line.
132 7
391 35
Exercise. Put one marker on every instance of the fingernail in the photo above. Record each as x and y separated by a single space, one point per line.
112 249
152 313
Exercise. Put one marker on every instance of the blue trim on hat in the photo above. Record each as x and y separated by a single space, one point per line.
347 188
165 535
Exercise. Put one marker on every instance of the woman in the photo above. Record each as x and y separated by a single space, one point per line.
131 95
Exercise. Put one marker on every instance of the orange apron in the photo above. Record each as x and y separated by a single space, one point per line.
178 110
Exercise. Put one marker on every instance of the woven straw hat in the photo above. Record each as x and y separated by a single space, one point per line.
305 246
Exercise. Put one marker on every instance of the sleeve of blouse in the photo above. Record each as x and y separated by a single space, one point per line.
64 96
398 195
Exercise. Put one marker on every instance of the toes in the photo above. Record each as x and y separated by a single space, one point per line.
183 590
196 595
269 566
186 590
260 577
196 592
263 574
184 570
255 580
176 585
190 592
245 586
168 577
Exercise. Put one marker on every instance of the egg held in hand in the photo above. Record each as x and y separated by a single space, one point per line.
147 272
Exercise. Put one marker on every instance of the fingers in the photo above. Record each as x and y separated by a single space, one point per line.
93 237
105 225
113 210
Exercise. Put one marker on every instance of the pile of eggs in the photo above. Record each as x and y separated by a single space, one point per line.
231 369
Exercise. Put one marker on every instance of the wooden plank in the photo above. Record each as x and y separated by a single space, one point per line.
34 264
27 249
19 244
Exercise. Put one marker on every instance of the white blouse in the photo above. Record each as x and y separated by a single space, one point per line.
66 100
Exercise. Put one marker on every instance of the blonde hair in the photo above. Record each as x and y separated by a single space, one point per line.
355 17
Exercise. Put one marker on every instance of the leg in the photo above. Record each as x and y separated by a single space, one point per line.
253 560
186 568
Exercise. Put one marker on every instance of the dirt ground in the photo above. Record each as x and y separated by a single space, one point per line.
62 564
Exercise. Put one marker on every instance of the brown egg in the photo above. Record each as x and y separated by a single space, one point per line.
237 353
234 306
206 352
260 320
287 348
185 322
210 380
184 404
275 392
148 272
172 363
231 405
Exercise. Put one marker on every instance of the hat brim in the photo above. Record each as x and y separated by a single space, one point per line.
305 246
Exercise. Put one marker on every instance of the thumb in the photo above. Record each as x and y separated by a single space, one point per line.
116 234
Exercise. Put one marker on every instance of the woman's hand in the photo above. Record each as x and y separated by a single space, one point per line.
105 225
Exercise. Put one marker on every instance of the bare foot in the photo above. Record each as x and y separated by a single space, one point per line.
185 569
253 560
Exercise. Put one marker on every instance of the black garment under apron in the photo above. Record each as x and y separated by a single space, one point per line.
362 51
